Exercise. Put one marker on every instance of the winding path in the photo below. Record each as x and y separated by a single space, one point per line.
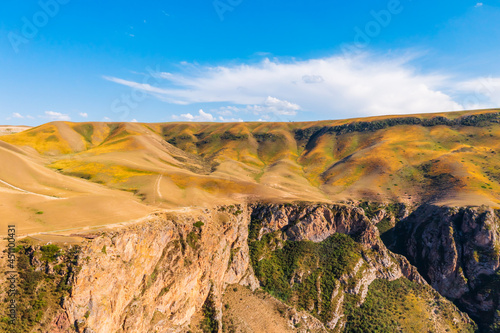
157 186
28 192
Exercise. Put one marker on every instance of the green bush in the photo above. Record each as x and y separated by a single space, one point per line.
192 240
209 324
50 252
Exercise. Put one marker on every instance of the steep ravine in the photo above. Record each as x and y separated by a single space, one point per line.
326 261
326 258
457 250
156 275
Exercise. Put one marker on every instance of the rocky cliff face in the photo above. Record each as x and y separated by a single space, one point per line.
363 261
318 222
159 274
457 251
152 277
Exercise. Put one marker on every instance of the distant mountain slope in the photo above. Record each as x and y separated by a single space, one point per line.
36 198
446 158
9 129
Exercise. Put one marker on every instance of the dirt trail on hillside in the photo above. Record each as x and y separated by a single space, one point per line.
28 192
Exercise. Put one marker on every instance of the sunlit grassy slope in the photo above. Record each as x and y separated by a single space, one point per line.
447 158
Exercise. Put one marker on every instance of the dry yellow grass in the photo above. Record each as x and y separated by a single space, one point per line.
182 164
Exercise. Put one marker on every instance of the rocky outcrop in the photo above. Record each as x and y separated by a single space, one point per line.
153 276
296 222
457 250
157 275
318 222
311 222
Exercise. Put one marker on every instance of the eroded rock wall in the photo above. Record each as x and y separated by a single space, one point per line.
153 276
457 250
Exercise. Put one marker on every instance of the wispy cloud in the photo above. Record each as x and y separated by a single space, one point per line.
202 116
56 116
482 92
230 120
479 4
84 114
17 115
270 105
155 91
335 86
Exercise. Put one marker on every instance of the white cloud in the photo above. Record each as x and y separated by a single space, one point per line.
313 79
270 105
133 121
226 110
277 106
139 86
480 93
202 117
230 120
17 115
332 87
56 116
479 4
83 114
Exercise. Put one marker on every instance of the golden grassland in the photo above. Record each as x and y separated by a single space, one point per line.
448 158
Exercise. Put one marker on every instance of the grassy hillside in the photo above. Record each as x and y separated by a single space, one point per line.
447 158
36 198
310 276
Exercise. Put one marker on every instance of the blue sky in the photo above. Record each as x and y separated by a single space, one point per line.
233 60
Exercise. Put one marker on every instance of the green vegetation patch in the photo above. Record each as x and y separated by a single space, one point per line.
50 252
52 138
41 286
295 272
199 224
192 240
402 305
209 324
85 130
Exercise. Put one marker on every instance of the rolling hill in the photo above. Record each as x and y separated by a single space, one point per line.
374 224
132 168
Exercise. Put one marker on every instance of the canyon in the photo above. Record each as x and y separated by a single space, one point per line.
158 275
376 224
